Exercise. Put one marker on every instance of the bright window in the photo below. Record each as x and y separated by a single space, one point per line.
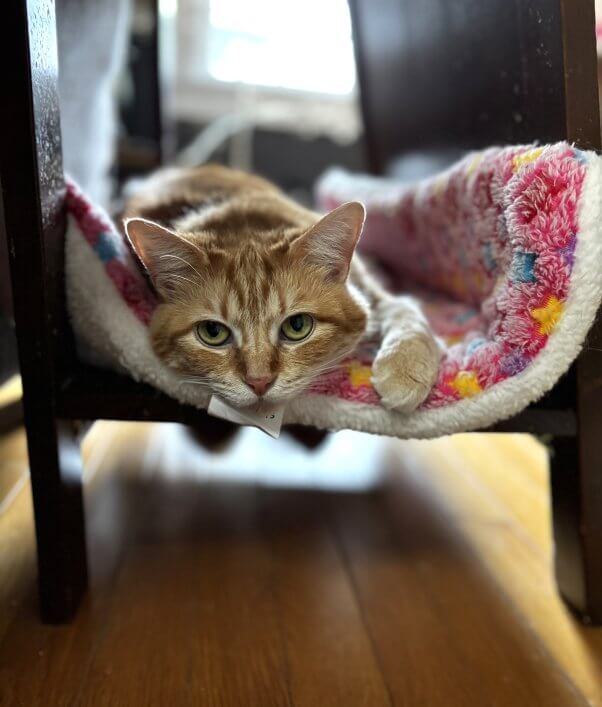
302 45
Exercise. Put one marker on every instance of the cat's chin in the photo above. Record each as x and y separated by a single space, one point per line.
256 400
271 398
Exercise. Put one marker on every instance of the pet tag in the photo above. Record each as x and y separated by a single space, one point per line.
265 416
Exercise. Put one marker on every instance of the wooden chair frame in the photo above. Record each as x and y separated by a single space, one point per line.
58 390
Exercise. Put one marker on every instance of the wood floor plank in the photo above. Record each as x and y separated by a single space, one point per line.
13 464
329 653
17 556
520 495
445 633
522 567
194 604
44 665
245 617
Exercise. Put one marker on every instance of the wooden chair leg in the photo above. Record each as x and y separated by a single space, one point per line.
56 480
576 482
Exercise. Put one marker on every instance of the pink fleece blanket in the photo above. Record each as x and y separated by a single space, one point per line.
504 251
489 248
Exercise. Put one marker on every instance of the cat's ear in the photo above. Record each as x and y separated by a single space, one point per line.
331 242
165 254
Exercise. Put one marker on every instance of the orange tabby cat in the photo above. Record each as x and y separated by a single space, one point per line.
259 295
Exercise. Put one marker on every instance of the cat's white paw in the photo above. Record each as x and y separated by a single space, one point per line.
405 371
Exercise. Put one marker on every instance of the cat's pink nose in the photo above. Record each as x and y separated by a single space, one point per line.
259 385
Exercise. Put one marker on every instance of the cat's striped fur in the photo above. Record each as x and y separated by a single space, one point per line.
226 246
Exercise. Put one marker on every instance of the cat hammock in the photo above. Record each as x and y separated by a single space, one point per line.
504 250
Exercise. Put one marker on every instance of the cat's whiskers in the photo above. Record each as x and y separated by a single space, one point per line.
298 383
196 381
195 376
329 365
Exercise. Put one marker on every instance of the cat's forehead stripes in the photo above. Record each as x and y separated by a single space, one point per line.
250 288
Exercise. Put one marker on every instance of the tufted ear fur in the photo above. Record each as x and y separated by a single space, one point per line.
167 257
331 242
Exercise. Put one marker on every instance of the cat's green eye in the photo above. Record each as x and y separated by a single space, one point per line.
297 327
212 333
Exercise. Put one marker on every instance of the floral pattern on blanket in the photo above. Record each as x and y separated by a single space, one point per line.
492 241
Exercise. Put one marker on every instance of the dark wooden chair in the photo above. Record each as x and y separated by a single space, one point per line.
436 76
58 390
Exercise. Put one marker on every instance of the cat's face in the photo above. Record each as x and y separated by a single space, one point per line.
261 319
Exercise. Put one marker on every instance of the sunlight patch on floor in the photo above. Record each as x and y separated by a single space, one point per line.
346 460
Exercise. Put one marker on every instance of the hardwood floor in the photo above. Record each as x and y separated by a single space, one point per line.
372 573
